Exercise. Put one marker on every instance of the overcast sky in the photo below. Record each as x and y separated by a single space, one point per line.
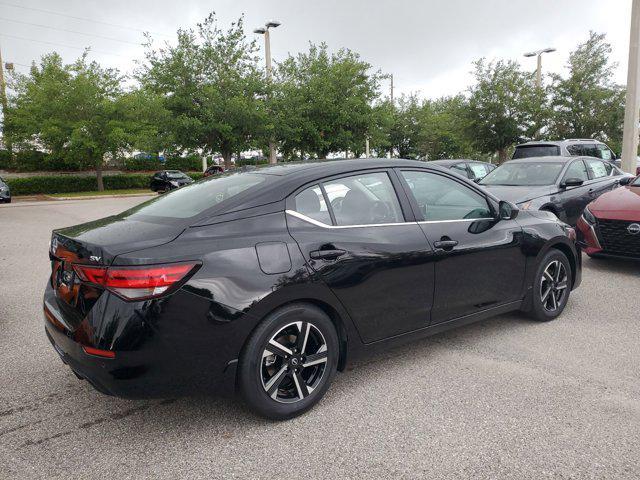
427 44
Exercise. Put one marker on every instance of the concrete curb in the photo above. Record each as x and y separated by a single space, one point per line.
95 197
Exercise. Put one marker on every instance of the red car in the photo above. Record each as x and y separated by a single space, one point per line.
610 225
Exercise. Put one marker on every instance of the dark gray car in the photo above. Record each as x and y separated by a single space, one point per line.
561 185
5 192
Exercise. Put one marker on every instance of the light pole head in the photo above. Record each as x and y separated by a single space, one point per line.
260 31
272 24
548 50
530 54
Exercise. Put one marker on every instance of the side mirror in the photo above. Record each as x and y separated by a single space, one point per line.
572 182
625 181
507 210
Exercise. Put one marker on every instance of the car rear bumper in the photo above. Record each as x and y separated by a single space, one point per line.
151 366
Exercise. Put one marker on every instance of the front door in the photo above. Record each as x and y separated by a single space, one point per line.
574 199
479 259
353 232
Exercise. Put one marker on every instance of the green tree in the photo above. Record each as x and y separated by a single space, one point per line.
588 103
443 129
211 83
323 102
503 107
70 110
406 132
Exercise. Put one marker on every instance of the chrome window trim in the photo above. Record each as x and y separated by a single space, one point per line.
304 218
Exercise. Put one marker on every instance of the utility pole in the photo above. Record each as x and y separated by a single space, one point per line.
632 103
538 53
366 147
392 89
3 101
267 54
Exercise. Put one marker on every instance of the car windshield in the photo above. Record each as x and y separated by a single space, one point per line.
197 197
176 175
528 151
524 174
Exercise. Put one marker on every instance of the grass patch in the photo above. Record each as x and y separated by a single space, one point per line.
105 192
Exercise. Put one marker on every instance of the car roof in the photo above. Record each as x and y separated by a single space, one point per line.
453 161
558 143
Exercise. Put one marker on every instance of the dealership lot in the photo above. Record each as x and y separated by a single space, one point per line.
507 397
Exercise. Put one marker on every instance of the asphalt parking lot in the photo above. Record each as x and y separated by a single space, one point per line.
505 398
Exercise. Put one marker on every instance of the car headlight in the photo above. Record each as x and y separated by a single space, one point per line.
525 205
175 184
588 216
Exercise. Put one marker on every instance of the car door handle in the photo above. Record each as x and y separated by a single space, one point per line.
445 244
328 254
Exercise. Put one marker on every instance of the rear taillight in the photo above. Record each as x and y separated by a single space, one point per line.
137 283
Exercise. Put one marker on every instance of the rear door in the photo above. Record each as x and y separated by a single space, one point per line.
359 235
479 259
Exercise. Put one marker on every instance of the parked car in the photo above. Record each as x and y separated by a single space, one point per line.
273 279
168 180
610 225
573 147
5 192
473 169
560 185
213 169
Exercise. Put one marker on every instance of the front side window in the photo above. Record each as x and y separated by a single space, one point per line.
460 169
366 199
479 170
597 168
577 169
442 198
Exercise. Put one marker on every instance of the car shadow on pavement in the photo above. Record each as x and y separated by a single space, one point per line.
613 265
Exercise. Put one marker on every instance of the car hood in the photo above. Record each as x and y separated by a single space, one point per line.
620 204
519 194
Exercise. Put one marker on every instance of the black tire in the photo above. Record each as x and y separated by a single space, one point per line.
551 286
287 327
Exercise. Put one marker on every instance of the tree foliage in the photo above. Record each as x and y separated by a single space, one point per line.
323 102
211 84
587 103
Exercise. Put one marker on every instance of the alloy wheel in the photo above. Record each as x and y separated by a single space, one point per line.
553 285
293 362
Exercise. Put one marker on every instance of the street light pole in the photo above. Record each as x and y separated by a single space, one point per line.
267 57
632 103
538 53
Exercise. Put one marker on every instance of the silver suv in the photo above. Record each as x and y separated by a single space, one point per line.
573 147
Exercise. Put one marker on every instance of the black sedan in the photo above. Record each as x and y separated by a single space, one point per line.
269 281
473 169
560 185
168 180
5 192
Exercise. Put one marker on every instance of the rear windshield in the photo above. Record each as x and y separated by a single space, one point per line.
528 151
194 199
520 174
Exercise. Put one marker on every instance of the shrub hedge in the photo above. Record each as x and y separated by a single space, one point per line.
76 183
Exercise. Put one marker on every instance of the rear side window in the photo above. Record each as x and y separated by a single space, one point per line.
310 202
479 170
441 198
366 199
597 168
528 151
194 199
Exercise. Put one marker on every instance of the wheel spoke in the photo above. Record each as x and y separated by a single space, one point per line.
303 336
548 276
546 293
559 268
554 302
562 285
301 385
278 348
315 359
274 382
